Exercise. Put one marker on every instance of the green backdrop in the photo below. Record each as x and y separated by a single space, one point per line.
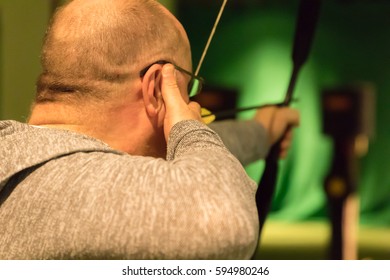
251 53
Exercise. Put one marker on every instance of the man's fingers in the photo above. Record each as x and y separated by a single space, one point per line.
279 123
291 116
288 135
194 107
176 108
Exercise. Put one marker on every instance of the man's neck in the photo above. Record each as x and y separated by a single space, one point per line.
119 126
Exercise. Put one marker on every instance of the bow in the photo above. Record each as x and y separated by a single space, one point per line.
308 15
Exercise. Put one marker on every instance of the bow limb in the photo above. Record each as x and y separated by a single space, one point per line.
308 15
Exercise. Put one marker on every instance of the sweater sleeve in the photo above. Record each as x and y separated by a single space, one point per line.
198 204
220 190
246 140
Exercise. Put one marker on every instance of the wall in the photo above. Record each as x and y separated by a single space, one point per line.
22 29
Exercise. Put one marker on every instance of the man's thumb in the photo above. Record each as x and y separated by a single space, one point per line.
169 87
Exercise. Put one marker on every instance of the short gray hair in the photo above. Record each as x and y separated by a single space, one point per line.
93 46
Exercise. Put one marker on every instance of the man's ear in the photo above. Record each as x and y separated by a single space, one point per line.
151 90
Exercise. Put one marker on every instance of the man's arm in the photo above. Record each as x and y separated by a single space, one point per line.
250 140
246 140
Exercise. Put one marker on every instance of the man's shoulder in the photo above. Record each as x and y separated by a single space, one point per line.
24 146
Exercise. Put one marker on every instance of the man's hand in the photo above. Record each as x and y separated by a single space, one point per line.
176 109
279 123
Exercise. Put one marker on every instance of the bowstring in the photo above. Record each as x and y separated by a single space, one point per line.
210 37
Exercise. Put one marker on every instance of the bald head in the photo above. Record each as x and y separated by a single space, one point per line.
94 47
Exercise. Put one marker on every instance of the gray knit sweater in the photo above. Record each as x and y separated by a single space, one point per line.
64 195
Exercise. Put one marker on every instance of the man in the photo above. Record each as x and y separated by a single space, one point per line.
115 161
